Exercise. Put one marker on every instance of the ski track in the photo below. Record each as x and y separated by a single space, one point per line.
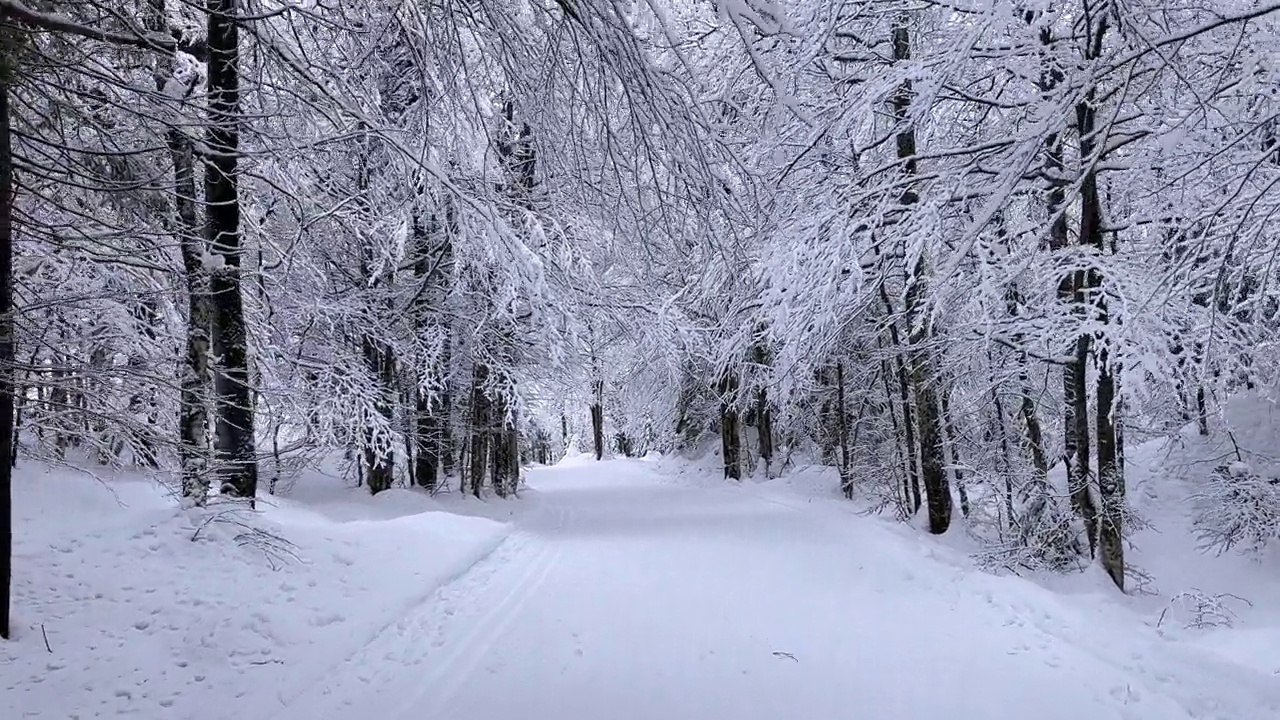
467 648
316 676
450 630
624 597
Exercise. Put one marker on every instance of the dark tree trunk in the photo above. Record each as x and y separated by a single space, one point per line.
842 427
626 448
1111 486
433 247
6 348
689 426
428 439
512 439
19 398
909 506
909 434
764 428
379 466
1075 391
1035 435
928 423
499 462
59 405
764 416
730 433
237 461
505 449
908 422
597 417
195 380
826 432
448 445
144 445
1076 394
1007 455
929 426
1110 475
481 428
1202 414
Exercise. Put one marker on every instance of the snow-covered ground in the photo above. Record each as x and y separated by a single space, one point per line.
614 590
142 621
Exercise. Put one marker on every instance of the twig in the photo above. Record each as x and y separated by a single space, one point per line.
1237 446
46 639
779 653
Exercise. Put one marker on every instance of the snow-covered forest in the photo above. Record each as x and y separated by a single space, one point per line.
987 265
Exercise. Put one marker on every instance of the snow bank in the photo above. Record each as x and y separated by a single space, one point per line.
151 612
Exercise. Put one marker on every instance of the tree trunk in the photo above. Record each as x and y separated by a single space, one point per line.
499 463
929 424
506 449
908 422
842 427
1110 475
195 380
427 438
1031 420
730 433
379 466
953 449
1202 414
1007 454
7 356
826 433
19 401
237 461
909 506
764 417
449 449
1076 395
1111 487
480 427
144 444
1075 417
597 417
433 247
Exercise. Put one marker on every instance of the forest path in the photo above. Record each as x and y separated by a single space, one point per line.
622 597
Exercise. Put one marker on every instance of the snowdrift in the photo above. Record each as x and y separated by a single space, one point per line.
126 606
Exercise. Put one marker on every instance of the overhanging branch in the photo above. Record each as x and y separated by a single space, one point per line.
53 22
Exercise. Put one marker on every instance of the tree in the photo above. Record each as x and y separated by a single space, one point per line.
234 446
7 357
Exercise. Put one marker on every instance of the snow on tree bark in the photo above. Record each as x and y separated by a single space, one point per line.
922 373
234 445
1110 541
7 356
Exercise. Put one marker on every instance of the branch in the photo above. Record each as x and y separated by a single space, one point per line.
53 22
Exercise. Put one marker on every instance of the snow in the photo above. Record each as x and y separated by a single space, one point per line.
618 589
142 621
1166 477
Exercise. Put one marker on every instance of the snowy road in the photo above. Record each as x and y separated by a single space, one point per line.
624 598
